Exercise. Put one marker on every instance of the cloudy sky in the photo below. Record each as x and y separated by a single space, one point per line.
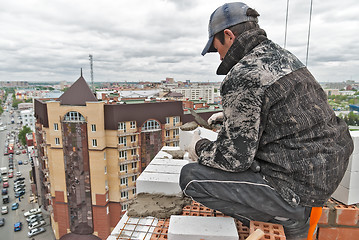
149 40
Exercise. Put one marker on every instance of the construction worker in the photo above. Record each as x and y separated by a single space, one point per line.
276 116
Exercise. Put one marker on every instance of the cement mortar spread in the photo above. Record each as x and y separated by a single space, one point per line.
157 205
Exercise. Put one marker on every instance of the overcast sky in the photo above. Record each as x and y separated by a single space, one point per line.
149 40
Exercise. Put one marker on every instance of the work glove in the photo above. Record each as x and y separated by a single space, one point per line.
215 118
192 147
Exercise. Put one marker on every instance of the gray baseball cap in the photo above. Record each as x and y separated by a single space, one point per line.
225 16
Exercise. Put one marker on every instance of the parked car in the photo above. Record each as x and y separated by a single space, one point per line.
19 185
24 151
19 162
19 182
5 179
2 222
5 199
18 174
14 206
4 191
17 152
17 226
26 162
36 224
19 179
34 216
10 175
35 231
32 212
4 210
5 184
19 193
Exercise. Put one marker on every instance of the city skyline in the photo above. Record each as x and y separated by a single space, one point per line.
141 41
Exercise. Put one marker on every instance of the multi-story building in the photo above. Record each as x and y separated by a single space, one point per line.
90 153
28 119
197 92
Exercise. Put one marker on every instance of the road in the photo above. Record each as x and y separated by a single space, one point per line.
7 231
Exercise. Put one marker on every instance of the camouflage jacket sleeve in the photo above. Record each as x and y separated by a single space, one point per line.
237 142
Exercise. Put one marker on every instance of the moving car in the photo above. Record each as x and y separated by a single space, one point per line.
35 231
17 226
4 210
14 206
2 222
32 212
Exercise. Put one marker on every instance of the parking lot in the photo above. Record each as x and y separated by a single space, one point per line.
17 215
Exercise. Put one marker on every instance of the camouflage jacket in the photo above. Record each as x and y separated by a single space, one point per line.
276 113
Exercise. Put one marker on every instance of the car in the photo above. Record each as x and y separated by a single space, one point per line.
32 212
26 162
19 185
5 179
14 206
10 175
35 231
19 182
19 188
2 222
4 210
37 219
19 193
17 152
17 226
19 179
24 151
4 191
5 184
11 170
19 162
18 174
36 224
34 216
5 199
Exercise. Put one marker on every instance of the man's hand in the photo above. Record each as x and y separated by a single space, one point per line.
215 118
192 147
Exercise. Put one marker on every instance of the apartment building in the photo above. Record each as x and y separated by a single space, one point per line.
197 92
90 154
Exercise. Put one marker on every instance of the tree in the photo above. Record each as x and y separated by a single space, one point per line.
1 110
22 134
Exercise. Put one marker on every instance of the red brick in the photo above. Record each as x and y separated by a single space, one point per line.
325 216
346 215
338 234
271 231
161 230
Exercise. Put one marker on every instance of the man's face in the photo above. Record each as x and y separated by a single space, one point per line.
222 49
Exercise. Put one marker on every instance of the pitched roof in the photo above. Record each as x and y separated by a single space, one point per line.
78 94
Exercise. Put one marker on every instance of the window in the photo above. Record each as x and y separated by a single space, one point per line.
133 138
176 120
134 191
122 126
133 178
107 210
175 133
74 117
94 142
124 206
123 168
56 126
167 133
123 154
93 127
167 120
134 152
151 125
124 181
122 141
134 165
124 194
104 156
176 144
106 185
133 124
57 141
105 169
106 196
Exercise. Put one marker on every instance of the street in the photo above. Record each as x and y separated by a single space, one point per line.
13 216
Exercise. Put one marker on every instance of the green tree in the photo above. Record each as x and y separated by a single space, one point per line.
22 134
1 110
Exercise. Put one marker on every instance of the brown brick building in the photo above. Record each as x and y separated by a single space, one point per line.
90 153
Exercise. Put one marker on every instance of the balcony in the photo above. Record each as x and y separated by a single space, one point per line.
170 126
128 160
131 145
129 132
123 174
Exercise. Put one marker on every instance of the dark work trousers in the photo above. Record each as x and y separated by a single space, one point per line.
245 195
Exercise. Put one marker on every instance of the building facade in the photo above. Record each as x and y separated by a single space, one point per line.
89 155
197 92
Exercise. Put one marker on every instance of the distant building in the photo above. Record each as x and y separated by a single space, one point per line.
28 119
331 92
198 92
89 155
24 106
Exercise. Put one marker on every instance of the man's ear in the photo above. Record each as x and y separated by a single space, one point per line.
229 35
